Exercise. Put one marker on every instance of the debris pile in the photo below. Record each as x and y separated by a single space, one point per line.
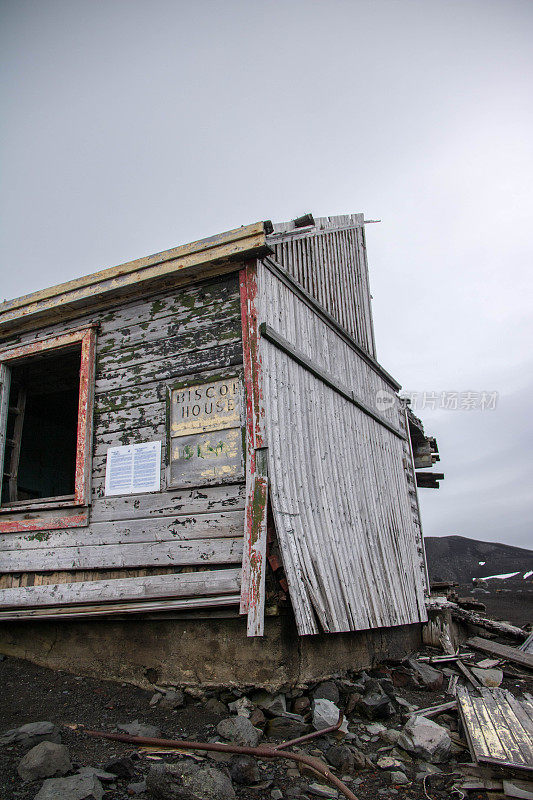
434 725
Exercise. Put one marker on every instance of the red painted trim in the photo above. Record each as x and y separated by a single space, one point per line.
253 566
87 338
42 523
85 415
41 346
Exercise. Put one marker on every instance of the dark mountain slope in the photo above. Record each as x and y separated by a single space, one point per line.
457 558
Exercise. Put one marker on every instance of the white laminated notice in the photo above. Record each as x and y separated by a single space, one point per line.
133 469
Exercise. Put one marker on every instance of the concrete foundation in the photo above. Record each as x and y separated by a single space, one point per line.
200 652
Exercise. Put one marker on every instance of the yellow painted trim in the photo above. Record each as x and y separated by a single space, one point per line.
230 244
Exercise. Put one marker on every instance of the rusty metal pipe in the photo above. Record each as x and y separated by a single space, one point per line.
259 752
313 735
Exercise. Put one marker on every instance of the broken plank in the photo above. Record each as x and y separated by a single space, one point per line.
468 675
189 584
494 727
107 609
502 651
432 711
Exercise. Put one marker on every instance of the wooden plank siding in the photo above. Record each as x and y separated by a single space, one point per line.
141 347
338 480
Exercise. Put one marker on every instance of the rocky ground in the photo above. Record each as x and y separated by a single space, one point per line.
383 751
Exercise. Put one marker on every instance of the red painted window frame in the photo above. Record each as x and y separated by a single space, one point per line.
34 520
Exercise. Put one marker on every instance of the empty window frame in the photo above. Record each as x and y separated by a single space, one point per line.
46 398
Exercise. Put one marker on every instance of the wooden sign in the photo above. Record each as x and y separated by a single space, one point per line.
205 407
205 433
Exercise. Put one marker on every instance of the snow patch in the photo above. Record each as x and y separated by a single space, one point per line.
528 574
502 577
481 563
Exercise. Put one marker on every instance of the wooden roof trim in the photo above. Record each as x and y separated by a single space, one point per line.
245 241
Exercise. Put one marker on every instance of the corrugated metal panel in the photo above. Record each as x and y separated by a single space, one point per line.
329 260
339 487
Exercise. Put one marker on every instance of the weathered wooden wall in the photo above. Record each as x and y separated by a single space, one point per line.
339 469
329 261
133 542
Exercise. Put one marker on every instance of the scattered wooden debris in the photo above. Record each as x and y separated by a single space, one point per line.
500 628
452 685
470 604
523 789
502 650
527 646
468 675
441 659
498 728
432 711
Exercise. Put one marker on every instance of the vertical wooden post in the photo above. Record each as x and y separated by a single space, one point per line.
82 490
5 385
411 466
255 534
19 413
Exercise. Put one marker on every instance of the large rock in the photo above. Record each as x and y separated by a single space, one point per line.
375 703
239 730
286 727
242 707
426 675
216 706
488 677
271 704
173 698
31 734
166 782
425 739
77 787
45 760
245 770
101 774
327 691
325 714
341 757
122 767
211 784
185 782
301 705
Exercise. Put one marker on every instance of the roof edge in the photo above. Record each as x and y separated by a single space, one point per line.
182 261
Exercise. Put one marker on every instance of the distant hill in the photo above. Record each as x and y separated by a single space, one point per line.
457 558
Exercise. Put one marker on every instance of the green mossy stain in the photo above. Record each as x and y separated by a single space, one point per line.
157 306
40 536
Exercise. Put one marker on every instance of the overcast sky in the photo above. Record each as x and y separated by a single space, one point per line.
130 127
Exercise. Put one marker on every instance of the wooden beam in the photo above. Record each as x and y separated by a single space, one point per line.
255 533
471 678
502 651
286 278
280 342
5 386
189 584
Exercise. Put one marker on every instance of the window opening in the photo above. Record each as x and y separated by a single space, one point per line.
42 421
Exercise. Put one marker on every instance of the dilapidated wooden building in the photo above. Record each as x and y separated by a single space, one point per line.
203 434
